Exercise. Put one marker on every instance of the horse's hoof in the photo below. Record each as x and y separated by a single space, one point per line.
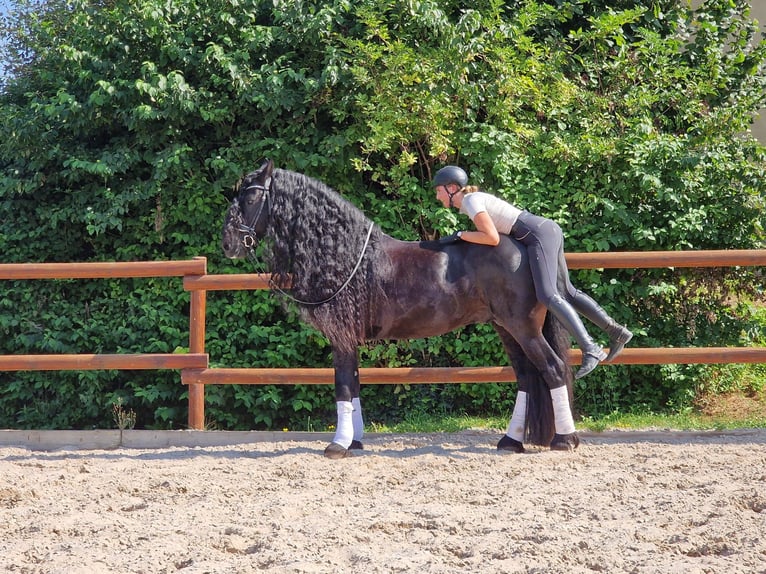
356 445
510 444
567 442
334 450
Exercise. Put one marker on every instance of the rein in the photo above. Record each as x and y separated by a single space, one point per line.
341 288
248 240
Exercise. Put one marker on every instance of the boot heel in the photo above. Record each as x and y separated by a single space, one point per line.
617 341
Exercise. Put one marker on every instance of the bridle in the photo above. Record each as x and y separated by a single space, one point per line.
248 240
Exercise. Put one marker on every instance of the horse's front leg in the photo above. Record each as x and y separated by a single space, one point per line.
350 427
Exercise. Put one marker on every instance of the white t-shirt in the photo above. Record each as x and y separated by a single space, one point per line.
502 213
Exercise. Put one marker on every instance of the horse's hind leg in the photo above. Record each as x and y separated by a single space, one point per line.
516 433
544 378
513 439
350 424
565 437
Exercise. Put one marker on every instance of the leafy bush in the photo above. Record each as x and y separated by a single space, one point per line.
128 123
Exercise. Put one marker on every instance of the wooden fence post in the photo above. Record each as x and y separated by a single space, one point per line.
197 310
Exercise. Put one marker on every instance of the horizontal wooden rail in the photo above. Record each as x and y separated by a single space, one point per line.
433 375
367 376
610 260
96 362
103 269
659 259
234 282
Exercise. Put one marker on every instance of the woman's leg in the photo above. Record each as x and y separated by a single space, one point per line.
544 241
592 353
619 336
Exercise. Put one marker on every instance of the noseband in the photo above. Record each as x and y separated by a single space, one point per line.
248 240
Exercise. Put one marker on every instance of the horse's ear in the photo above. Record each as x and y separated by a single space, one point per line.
263 173
267 167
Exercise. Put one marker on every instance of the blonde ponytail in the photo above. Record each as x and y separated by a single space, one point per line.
470 189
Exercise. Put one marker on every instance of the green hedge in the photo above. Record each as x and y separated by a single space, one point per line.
128 123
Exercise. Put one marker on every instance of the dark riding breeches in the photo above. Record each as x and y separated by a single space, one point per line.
544 241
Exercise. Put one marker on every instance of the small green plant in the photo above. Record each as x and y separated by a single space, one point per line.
211 424
124 419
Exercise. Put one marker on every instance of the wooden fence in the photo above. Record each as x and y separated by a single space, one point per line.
194 366
104 270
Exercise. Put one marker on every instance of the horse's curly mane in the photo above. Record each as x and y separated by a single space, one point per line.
316 239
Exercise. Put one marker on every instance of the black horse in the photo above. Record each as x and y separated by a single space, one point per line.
354 283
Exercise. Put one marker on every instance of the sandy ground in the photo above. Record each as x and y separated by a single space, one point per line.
623 502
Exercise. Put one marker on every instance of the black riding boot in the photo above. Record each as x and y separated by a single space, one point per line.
619 336
592 354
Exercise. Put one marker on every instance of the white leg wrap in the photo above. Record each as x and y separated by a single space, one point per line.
519 418
357 419
344 432
561 411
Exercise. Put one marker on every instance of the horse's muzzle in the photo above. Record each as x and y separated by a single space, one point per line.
233 246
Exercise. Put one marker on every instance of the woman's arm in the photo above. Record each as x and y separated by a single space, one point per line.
486 233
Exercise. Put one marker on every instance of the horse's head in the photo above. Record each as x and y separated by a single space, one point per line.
248 213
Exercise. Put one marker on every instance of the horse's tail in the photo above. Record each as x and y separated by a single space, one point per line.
540 422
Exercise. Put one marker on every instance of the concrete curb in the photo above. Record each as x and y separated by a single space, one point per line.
144 439
51 440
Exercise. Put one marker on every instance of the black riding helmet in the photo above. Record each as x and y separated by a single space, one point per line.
451 174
